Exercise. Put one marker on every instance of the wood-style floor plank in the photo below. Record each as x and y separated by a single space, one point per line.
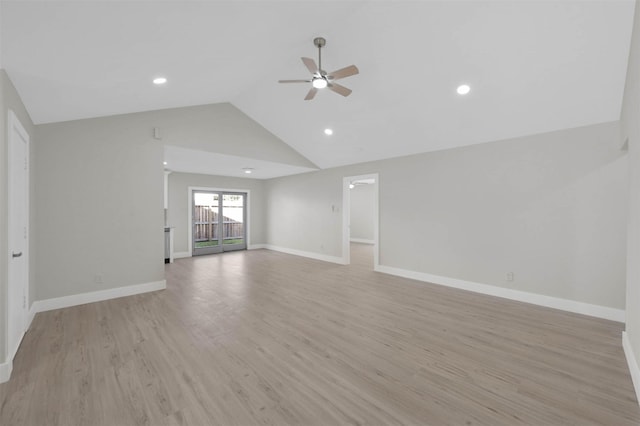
265 338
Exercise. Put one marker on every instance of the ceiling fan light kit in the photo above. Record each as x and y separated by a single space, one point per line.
320 79
319 83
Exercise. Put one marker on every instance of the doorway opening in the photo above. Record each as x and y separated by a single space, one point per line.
218 221
360 216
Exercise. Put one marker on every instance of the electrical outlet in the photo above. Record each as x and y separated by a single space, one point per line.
97 279
510 276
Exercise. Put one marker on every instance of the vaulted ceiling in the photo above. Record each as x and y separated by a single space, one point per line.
533 66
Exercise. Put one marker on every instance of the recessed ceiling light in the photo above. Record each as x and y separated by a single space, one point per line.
328 132
463 89
164 162
248 170
159 80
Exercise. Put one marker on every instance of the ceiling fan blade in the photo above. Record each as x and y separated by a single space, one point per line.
311 94
343 72
341 90
294 81
311 65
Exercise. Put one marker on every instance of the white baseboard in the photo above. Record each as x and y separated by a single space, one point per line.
311 255
632 362
5 370
507 293
96 296
361 241
181 254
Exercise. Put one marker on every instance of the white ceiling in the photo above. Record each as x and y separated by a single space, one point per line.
533 66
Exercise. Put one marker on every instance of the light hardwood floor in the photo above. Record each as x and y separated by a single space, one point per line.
261 337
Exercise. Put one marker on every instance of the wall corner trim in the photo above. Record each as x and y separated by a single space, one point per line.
96 296
597 311
633 364
5 371
311 255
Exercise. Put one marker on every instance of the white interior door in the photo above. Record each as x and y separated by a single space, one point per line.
18 234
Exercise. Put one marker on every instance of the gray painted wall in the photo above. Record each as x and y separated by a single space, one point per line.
178 211
551 208
630 125
304 212
99 190
9 99
362 209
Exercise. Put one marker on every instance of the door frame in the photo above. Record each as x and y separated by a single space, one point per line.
346 218
247 208
15 132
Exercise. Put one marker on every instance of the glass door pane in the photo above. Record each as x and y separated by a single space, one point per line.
206 223
233 218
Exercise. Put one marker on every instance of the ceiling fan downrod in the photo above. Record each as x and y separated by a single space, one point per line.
319 42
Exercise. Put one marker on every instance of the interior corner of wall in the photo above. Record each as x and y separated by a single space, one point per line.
625 145
632 362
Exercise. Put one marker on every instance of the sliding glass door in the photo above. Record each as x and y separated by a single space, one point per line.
219 220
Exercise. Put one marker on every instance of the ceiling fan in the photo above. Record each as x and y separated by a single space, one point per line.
320 78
